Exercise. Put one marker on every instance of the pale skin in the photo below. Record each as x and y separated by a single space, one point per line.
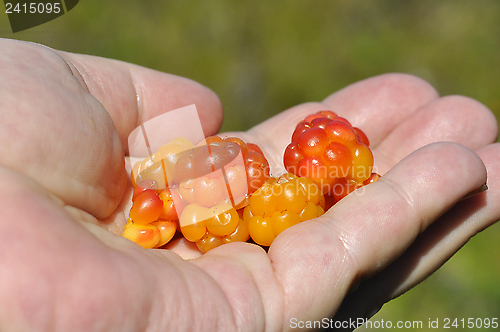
64 123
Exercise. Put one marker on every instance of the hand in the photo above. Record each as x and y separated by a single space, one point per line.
64 123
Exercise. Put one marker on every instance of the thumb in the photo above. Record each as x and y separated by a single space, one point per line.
56 131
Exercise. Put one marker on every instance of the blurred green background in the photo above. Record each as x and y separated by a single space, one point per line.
262 57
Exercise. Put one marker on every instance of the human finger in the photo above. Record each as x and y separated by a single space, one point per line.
59 134
453 118
433 247
379 104
376 105
57 276
55 132
132 94
359 237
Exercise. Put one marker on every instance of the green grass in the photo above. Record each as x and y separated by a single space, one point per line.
263 57
466 286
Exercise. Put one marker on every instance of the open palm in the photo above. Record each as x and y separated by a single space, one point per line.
64 123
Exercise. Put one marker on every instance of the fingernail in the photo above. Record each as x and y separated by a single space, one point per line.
479 190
